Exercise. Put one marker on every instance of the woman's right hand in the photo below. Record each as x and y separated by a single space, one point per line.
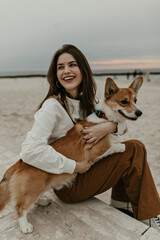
82 167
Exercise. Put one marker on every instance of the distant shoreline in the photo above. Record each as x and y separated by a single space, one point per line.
133 73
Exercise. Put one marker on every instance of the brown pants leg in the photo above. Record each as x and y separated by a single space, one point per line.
129 176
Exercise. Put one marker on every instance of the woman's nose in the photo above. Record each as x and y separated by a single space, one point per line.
66 69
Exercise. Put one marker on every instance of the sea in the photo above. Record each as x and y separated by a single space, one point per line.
149 74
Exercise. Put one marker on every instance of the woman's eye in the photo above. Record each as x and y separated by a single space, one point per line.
59 67
73 65
124 102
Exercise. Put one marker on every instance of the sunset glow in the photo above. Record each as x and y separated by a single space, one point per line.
126 64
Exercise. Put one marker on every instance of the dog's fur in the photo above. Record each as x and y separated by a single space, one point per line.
24 183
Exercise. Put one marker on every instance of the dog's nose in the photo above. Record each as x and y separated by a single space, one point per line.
138 113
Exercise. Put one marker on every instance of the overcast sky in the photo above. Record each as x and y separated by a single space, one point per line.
104 30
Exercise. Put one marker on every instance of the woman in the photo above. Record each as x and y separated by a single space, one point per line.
70 79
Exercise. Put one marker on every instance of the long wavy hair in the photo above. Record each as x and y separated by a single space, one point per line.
87 89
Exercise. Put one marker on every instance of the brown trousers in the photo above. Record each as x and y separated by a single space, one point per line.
129 176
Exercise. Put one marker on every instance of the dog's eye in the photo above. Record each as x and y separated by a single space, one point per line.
135 100
124 102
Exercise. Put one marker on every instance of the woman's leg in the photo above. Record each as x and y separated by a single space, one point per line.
129 176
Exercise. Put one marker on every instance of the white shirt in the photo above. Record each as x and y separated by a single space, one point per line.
51 123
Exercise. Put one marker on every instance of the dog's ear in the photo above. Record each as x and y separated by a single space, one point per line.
136 84
110 88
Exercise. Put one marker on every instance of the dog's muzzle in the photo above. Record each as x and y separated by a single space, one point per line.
133 116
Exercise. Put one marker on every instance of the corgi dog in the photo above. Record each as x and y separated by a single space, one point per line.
24 183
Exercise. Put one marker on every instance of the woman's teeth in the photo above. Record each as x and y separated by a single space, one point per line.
68 78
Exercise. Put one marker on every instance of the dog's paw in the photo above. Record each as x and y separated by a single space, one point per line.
122 147
28 228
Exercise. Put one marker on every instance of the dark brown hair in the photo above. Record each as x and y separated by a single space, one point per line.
87 87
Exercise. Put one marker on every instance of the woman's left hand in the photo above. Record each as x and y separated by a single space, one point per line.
96 132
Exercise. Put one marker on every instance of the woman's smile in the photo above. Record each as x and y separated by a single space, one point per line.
68 78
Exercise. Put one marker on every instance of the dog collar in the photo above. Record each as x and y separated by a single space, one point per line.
100 114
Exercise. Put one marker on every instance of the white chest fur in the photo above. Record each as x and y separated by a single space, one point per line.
114 139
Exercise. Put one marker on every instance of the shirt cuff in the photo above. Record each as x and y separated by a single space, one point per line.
69 164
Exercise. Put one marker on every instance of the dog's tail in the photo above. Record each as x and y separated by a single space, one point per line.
5 194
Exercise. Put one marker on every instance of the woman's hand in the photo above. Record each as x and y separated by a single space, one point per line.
95 133
82 167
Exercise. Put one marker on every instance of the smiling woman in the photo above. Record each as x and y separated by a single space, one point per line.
69 62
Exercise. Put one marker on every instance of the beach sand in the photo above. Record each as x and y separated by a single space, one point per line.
20 97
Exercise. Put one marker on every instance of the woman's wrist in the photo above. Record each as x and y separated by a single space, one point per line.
111 127
114 127
76 168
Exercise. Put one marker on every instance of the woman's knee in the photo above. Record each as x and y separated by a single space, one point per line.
138 158
135 144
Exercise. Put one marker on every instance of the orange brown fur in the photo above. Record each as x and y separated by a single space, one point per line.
24 183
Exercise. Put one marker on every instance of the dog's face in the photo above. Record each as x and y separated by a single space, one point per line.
123 100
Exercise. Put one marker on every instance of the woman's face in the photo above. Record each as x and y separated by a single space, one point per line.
69 74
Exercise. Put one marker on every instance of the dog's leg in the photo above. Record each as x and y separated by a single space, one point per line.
115 148
23 205
25 226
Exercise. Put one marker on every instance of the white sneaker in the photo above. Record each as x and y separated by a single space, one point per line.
153 222
124 207
127 208
44 201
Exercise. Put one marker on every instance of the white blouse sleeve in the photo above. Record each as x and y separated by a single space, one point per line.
36 151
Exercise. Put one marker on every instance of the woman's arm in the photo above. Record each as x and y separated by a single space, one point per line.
98 131
35 149
37 152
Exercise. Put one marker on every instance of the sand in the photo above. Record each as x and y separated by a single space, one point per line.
20 97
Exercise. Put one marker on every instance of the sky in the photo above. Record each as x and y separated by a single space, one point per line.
112 34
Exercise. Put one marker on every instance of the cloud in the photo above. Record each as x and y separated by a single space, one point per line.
125 64
31 31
